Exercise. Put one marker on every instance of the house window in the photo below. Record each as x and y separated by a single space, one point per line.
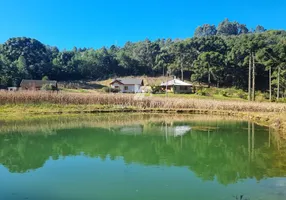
125 87
117 87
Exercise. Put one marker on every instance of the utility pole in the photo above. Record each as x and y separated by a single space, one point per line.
249 77
182 70
253 77
270 86
209 76
167 85
278 84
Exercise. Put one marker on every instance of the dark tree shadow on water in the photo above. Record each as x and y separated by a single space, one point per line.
240 197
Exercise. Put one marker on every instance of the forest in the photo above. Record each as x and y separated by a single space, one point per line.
227 55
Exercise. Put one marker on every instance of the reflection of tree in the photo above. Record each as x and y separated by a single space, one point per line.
20 153
223 153
47 124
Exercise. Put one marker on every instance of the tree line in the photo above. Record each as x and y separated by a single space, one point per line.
230 55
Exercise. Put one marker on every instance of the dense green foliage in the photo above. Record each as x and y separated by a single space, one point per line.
217 56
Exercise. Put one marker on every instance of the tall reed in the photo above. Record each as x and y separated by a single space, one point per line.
129 100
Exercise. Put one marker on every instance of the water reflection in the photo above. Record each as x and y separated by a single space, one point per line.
224 150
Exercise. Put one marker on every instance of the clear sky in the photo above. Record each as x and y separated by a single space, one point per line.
93 23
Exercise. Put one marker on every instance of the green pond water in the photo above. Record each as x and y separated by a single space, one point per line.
136 157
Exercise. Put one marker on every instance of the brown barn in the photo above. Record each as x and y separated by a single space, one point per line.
37 84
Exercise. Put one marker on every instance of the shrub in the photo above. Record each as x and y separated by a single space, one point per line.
241 94
156 89
223 93
48 87
281 100
45 78
109 89
202 92
259 96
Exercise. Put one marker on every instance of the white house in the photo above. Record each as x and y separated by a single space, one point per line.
177 86
127 85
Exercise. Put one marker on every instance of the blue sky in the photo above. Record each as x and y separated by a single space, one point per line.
93 23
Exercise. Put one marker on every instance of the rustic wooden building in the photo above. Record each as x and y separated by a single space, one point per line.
38 84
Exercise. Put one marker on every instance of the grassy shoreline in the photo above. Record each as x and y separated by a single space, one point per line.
22 103
48 123
274 120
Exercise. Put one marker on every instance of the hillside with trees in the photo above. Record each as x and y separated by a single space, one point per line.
229 55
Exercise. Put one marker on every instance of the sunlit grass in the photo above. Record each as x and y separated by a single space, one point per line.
195 96
82 100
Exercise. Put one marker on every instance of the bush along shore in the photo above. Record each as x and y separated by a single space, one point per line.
266 113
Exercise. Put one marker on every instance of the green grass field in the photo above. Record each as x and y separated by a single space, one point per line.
201 91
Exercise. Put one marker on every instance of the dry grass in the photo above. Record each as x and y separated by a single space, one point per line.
129 100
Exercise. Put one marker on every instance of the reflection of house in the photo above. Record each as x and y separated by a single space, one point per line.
181 130
166 129
37 84
178 130
131 130
177 86
159 129
127 85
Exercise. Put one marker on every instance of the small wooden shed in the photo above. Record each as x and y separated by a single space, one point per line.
37 84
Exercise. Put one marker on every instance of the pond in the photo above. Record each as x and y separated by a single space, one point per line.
140 156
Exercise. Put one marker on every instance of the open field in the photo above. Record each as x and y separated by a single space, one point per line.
138 101
201 90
